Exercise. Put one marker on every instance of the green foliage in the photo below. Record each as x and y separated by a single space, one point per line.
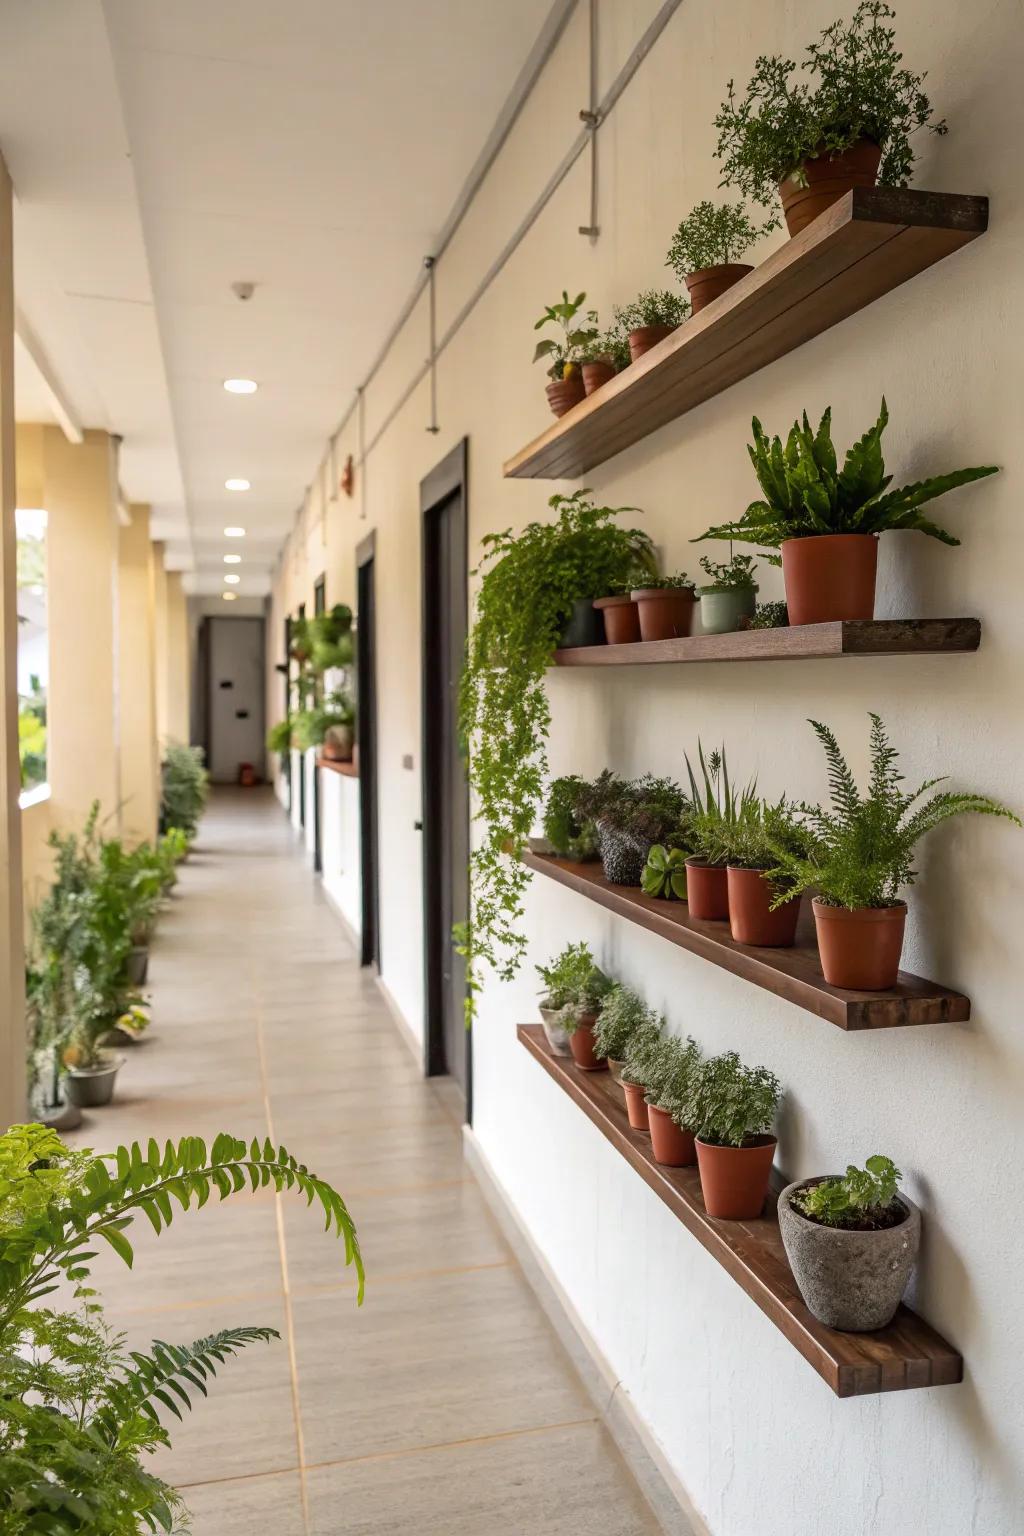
861 1198
677 1069
623 1013
574 984
737 574
329 637
711 235
769 616
310 726
564 353
645 809
644 1060
728 1103
279 737
665 873
186 785
610 346
653 307
32 733
860 90
752 837
714 805
678 582
530 582
569 836
860 852
805 492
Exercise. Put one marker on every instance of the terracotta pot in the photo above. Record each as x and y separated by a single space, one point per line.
596 374
582 627
751 919
563 394
860 949
707 891
621 619
646 337
665 613
827 181
581 1043
710 282
636 1106
830 576
734 1180
670 1145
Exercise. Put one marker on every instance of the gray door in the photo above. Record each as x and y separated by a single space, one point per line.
235 687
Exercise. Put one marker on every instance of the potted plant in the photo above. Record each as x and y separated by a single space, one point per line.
713 808
623 1012
564 353
669 1096
650 318
330 639
532 584
621 620
852 1242
558 980
773 615
568 836
705 250
847 126
859 854
762 912
664 874
730 595
603 357
665 606
642 1066
185 786
630 816
279 737
731 1109
586 986
825 521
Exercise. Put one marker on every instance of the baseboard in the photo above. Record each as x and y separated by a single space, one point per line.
405 1029
646 1460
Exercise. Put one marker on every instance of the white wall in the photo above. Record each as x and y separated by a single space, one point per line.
339 844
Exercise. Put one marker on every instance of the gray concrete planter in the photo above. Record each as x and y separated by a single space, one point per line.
138 964
89 1087
850 1280
722 608
554 1033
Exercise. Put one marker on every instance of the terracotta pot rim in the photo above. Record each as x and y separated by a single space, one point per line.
754 1143
860 914
641 594
719 266
613 602
839 156
906 1204
819 538
696 863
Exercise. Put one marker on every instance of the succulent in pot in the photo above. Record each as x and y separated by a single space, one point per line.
706 247
623 1012
858 855
670 1090
651 317
713 808
846 124
642 1066
852 1241
664 873
563 354
665 607
586 988
762 912
631 816
731 1109
824 522
729 597
568 836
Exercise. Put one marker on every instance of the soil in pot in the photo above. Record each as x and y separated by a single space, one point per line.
138 964
671 1146
860 949
636 1106
554 1033
707 891
830 576
563 394
723 608
581 1043
623 859
646 337
664 613
711 282
751 919
621 619
853 1280
596 374
828 179
89 1087
734 1180
583 626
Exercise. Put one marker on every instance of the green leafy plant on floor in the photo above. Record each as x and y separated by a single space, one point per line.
864 1198
570 836
665 873
530 582
654 307
734 575
805 493
623 1014
564 353
729 1103
711 235
860 90
860 852
78 1414
185 788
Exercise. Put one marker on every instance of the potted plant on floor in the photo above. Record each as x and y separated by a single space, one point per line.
858 857
642 1066
650 318
713 808
762 911
729 597
732 1111
586 986
630 816
665 607
669 1098
567 835
852 1241
706 248
623 1012
185 787
825 522
812 142
558 979
564 353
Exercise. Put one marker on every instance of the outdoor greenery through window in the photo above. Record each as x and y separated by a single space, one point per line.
33 647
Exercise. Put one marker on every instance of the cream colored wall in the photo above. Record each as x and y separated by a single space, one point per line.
737 1412
161 645
178 661
139 759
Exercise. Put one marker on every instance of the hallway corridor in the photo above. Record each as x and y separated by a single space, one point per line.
445 1406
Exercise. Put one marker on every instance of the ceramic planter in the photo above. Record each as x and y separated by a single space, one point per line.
671 1146
710 282
563 394
623 859
665 613
89 1087
734 1180
827 181
636 1106
583 626
596 374
645 337
830 576
621 620
707 891
554 1032
751 920
722 608
338 743
849 1280
860 949
581 1043
138 964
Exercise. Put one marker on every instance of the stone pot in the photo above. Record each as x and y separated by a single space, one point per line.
734 1180
707 891
621 619
623 859
722 608
581 1043
138 964
849 1280
583 626
665 613
89 1087
751 919
711 282
636 1106
860 948
828 179
596 374
338 743
672 1146
554 1031
645 337
563 394
830 576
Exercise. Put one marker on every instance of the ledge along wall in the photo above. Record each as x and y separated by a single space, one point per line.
739 1415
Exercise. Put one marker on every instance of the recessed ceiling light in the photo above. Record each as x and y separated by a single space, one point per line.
234 533
236 484
229 597
232 580
241 386
232 559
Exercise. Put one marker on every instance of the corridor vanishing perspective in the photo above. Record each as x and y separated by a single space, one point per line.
445 1404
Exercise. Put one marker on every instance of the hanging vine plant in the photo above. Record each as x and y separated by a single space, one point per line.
530 582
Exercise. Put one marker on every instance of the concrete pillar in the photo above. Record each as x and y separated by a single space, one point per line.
139 757
179 660
160 643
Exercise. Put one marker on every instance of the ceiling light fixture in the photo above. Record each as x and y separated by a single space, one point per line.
229 597
241 386
234 533
232 559
233 580
236 483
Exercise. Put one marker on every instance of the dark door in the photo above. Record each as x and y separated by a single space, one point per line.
445 792
302 704
366 683
319 606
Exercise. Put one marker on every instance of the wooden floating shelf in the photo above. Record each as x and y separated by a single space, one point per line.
348 770
871 241
907 1354
860 637
794 974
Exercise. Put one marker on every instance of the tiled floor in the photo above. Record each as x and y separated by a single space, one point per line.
445 1405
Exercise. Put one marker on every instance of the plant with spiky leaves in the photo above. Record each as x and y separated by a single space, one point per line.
714 807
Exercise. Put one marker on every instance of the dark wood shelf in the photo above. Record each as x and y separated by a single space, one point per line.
907 1354
862 637
347 770
794 974
871 241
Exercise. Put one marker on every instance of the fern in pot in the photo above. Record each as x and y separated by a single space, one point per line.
631 816
731 1109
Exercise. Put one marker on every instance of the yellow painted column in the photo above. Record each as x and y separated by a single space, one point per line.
160 643
179 661
139 759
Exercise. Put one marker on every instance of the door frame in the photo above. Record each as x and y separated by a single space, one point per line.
319 607
447 479
369 850
301 614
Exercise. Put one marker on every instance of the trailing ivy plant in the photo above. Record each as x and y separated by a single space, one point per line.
863 1199
530 582
711 235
